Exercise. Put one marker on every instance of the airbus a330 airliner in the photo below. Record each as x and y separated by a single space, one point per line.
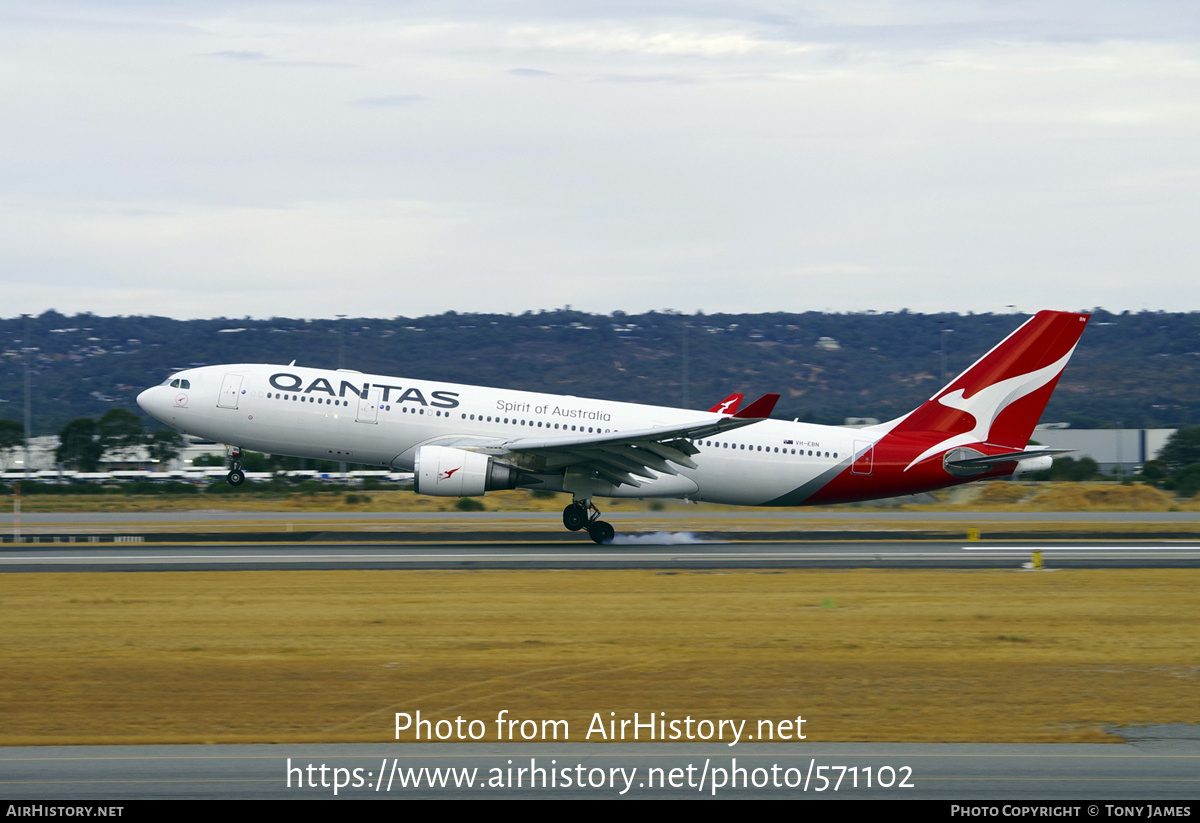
466 440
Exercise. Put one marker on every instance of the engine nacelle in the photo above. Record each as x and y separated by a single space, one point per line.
445 472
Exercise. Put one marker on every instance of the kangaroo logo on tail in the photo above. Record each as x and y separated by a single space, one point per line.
998 400
987 404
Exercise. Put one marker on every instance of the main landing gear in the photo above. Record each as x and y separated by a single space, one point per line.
582 514
235 477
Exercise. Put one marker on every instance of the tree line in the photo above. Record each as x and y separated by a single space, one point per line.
84 443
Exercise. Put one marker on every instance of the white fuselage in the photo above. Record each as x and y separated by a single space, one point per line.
383 421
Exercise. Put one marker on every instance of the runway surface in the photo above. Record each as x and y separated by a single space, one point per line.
663 550
1158 764
846 538
181 540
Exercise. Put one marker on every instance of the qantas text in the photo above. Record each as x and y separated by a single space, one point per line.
291 382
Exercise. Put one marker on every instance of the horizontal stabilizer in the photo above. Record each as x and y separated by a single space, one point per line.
986 461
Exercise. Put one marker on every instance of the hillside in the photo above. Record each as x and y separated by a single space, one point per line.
1137 370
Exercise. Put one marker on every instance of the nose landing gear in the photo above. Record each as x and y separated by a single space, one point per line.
583 514
235 477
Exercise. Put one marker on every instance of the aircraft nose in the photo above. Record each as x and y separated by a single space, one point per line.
153 403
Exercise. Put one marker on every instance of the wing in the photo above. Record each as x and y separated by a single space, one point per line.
617 457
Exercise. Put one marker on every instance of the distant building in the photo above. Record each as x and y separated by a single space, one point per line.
1126 449
860 422
42 455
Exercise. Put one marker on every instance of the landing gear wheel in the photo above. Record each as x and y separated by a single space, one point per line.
575 517
601 531
235 476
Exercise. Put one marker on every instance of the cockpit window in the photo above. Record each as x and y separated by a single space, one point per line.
180 384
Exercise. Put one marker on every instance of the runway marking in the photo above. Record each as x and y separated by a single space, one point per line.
534 557
1135 549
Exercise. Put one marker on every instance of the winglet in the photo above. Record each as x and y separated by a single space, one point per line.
760 408
729 405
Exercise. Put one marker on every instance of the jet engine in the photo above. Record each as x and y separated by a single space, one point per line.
445 472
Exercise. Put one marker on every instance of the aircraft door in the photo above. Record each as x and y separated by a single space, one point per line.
231 387
368 407
865 461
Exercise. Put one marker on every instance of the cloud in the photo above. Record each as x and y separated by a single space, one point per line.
237 55
852 156
392 101
262 59
309 64
675 79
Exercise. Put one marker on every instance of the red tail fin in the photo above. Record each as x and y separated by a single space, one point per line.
998 400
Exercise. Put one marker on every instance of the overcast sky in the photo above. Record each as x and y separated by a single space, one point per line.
199 159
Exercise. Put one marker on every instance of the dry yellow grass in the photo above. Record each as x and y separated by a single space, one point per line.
330 656
1096 497
999 494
